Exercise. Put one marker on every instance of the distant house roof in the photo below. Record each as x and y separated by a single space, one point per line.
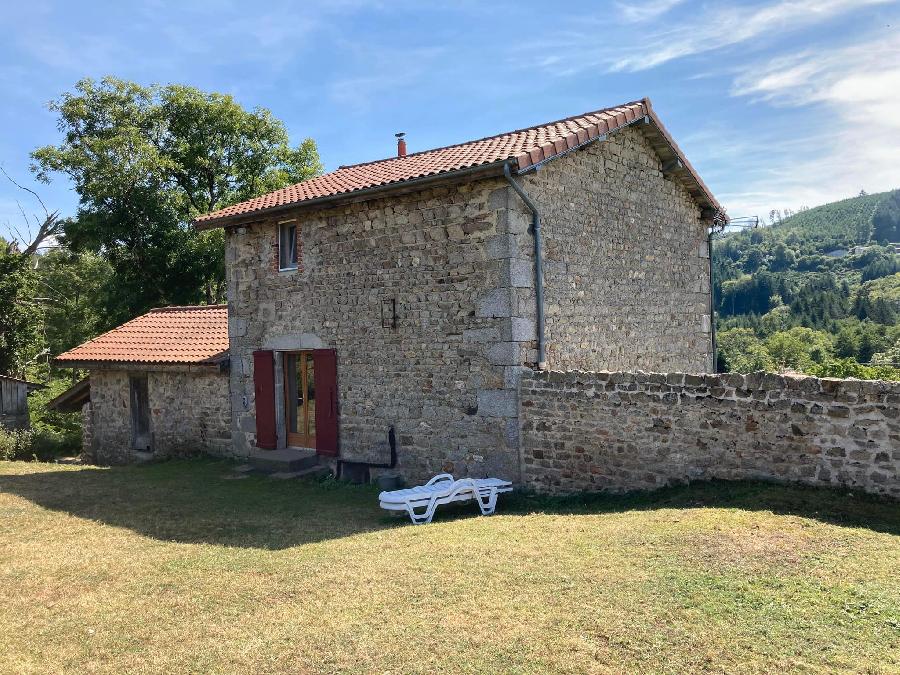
523 149
185 335
73 398
32 386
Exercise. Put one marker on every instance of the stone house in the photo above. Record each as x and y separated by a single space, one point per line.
157 386
14 402
411 294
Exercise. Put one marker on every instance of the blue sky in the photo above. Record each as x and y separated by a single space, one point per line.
777 104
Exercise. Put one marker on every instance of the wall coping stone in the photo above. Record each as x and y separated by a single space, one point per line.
751 382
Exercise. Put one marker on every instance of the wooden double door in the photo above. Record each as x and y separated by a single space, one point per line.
309 400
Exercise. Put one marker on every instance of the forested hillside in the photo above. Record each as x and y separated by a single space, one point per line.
817 292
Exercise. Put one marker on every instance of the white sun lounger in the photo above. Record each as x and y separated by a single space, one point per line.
420 502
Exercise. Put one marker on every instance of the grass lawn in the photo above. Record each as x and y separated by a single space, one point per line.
172 568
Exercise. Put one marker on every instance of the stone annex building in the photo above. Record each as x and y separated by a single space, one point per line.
400 312
157 386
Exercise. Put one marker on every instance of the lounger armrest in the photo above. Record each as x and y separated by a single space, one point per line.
440 477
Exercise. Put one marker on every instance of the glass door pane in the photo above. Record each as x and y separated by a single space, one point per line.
310 395
299 399
293 392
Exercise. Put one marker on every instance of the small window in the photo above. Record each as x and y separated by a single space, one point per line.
287 246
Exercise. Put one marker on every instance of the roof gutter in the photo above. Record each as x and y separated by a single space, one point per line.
481 171
219 364
538 265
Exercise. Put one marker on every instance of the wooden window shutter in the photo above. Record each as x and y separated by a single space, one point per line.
325 361
264 387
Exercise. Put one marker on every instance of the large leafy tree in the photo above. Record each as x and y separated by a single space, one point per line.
145 161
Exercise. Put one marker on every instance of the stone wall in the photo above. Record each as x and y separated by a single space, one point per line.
189 413
622 431
440 374
626 264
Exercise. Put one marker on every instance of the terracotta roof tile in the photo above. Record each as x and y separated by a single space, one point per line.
197 334
526 147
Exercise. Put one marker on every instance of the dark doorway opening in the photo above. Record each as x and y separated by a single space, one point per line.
140 413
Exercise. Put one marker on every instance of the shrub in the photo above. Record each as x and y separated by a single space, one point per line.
47 445
36 444
15 443
45 419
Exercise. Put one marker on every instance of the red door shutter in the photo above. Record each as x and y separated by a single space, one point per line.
264 386
326 402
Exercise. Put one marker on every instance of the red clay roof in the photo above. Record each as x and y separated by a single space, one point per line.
525 147
197 334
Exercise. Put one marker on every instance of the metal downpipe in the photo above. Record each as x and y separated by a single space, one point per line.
712 303
538 266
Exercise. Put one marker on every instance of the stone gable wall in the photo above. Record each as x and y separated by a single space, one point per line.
621 431
626 265
189 413
441 376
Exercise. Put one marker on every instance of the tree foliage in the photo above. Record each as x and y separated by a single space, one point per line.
740 351
76 291
145 161
802 305
19 311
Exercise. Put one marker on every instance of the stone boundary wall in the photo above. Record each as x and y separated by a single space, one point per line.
618 431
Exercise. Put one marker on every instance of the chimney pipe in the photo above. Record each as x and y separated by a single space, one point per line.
401 144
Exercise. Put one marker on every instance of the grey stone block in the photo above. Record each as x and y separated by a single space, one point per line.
499 198
512 433
521 272
502 246
237 327
497 403
248 424
522 329
495 303
504 354
513 374
479 335
518 222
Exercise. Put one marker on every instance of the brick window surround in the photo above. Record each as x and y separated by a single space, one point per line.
287 233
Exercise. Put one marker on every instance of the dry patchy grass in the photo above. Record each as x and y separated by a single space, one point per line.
170 568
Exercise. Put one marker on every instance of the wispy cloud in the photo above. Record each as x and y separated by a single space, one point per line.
855 91
646 11
727 26
575 49
379 71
